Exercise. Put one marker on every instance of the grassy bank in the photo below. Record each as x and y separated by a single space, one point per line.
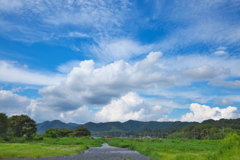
157 149
183 149
47 148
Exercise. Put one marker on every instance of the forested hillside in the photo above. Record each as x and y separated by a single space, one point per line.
115 126
138 128
41 127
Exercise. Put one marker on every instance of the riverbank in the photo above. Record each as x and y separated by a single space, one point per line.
105 152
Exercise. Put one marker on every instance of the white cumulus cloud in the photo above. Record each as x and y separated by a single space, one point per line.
131 106
87 85
200 113
11 103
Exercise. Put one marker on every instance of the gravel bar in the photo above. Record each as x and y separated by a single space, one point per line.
105 152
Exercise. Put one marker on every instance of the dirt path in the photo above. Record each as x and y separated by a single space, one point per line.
105 152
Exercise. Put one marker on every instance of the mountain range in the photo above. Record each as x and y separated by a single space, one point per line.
130 125
41 127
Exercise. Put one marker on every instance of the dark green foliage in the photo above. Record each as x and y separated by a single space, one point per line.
231 123
64 132
38 137
133 128
201 132
55 132
22 126
2 140
135 125
51 132
17 140
82 131
3 124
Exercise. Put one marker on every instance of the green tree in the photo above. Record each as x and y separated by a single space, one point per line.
64 132
22 125
82 131
3 124
51 132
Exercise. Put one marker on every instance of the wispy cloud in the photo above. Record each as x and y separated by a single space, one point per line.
231 84
109 24
115 49
11 72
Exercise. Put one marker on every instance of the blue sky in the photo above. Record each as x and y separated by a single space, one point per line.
80 61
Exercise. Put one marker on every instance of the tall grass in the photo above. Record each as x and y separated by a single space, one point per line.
228 149
184 149
157 149
47 148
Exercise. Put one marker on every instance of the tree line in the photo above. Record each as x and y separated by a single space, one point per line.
208 129
203 132
17 126
80 131
25 128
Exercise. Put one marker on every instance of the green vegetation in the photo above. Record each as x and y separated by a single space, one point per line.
82 131
17 126
201 132
22 126
18 139
48 147
3 124
210 140
183 149
209 129
138 129
54 132
157 149
41 127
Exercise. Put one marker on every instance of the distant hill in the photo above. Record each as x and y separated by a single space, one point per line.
41 127
73 124
223 123
130 125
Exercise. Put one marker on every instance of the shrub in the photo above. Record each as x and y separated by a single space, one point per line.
38 138
50 132
82 131
229 148
72 135
17 140
2 140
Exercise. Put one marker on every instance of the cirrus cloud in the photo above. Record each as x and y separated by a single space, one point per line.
12 72
205 72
